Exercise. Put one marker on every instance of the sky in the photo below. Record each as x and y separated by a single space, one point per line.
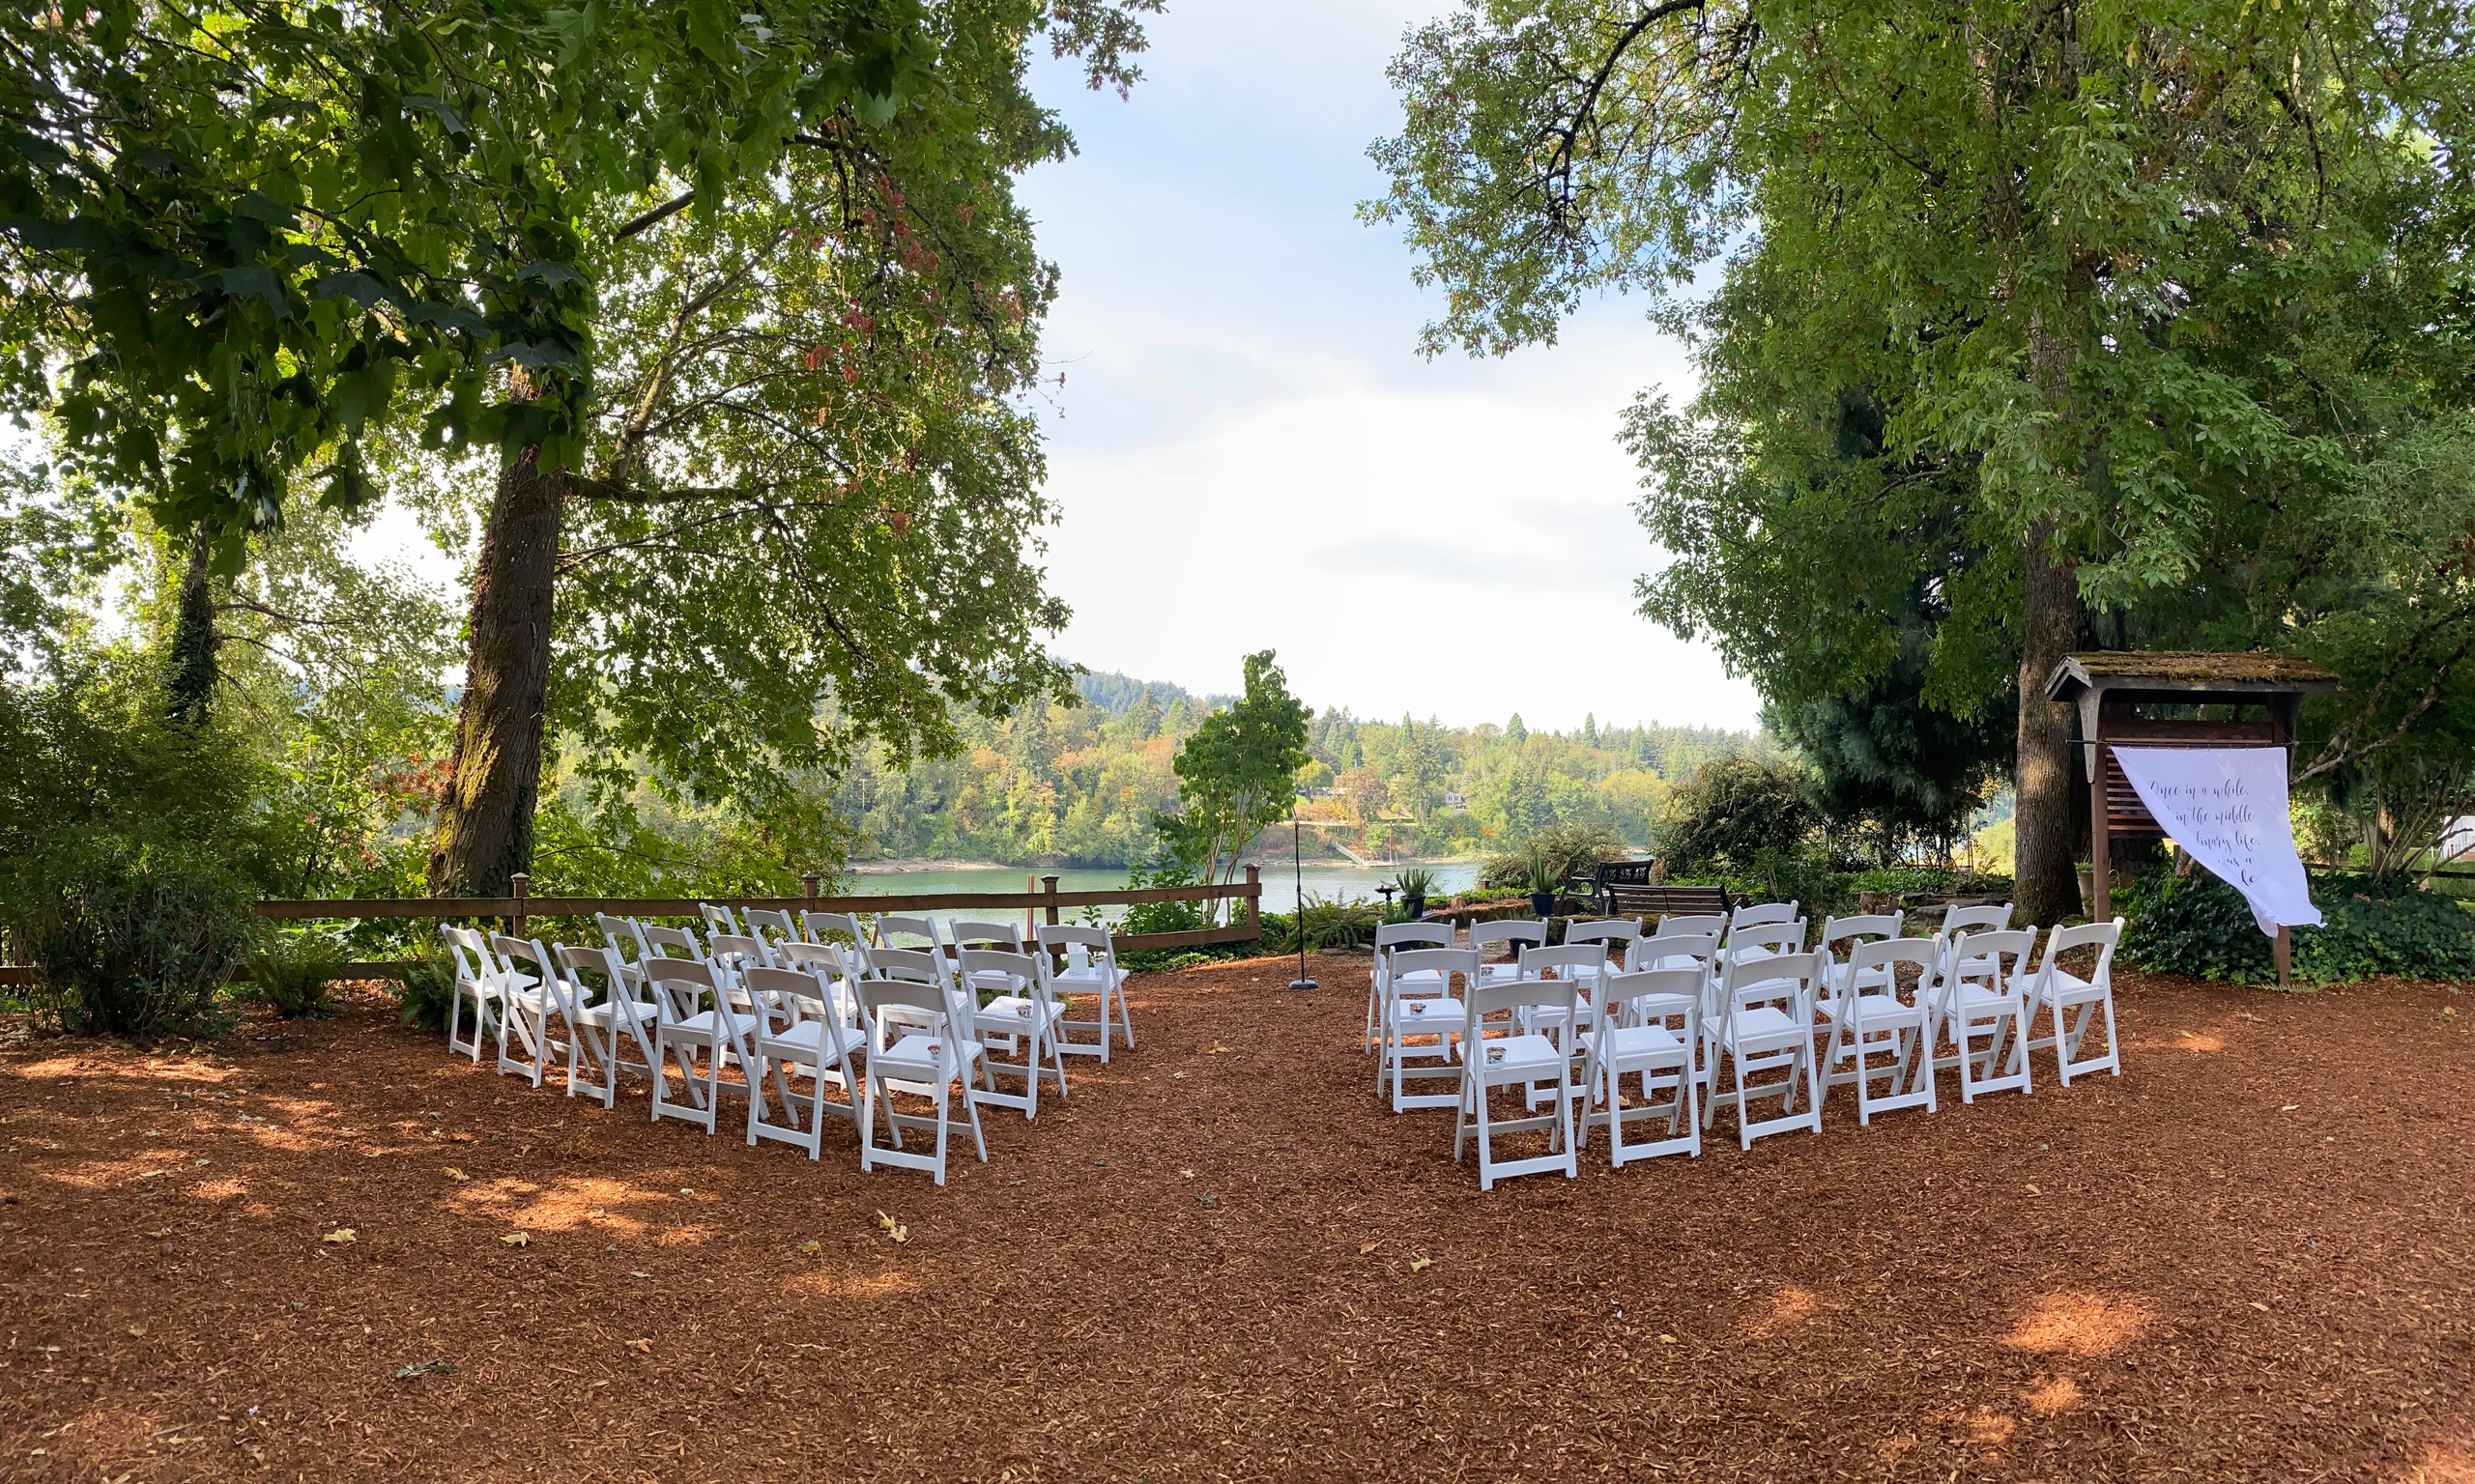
1248 449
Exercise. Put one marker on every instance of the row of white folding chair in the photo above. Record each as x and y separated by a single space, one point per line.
774 1023
1090 968
1969 1006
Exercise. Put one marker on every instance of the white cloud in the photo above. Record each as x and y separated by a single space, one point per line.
1250 453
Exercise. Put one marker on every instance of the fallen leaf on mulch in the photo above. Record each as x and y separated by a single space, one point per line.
892 1228
1365 1247
420 1368
2034 1190
812 1244
1208 1198
1667 1339
341 1235
1177 1076
640 1347
137 1331
454 1174
1421 1263
2258 1305
516 1239
1217 1048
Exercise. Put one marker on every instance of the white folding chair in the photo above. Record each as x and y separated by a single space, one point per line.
1419 1003
1388 937
1497 1054
1766 1030
914 1046
1838 942
612 1018
1673 951
1980 1000
1022 1012
889 929
2057 989
1514 934
665 942
1870 1020
1606 929
697 1020
831 926
1090 968
834 966
734 952
1760 914
1713 922
1582 965
719 920
1763 940
1960 920
478 980
1695 951
771 925
797 1035
931 969
536 994
1649 1026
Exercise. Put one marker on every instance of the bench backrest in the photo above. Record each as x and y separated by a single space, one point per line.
1627 900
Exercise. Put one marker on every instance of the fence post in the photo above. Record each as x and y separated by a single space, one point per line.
1049 886
1255 899
808 881
519 886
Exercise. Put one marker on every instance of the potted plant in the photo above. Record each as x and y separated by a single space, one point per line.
1415 886
1543 884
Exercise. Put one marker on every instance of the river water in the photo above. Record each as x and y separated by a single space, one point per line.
1323 882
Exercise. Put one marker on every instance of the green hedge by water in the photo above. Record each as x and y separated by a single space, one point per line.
2200 925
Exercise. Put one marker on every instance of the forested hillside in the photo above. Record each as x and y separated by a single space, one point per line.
1078 785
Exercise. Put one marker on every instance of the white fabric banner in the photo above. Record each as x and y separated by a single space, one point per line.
2227 806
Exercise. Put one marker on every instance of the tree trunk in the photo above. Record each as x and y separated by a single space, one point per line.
189 670
2045 779
485 818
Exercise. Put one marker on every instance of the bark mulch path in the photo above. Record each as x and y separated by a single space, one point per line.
2250 1257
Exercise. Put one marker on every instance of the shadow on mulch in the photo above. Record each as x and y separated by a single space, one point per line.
1219 1258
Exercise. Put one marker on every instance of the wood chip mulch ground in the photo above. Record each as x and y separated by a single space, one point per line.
294 1254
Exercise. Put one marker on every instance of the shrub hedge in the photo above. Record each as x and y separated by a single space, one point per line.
2198 925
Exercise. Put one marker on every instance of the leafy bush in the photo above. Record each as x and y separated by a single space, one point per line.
2198 925
1904 880
426 991
294 974
1328 924
1730 811
131 939
1163 916
1570 850
129 849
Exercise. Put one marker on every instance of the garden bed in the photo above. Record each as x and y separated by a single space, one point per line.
2247 1257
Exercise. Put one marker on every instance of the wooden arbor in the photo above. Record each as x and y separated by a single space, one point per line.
2159 699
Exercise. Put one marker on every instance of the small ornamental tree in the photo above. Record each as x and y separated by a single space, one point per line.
1236 774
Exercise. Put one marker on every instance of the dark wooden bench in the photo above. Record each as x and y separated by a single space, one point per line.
1626 899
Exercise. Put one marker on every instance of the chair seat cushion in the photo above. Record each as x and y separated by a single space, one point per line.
1012 1009
1511 1054
808 1038
1974 999
1757 1021
918 1053
620 1009
703 1023
1625 1040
